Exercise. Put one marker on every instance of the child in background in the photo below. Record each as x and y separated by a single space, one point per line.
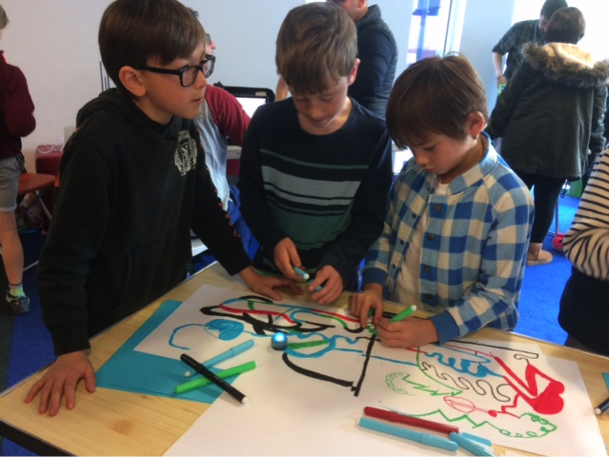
458 223
132 184
583 309
16 121
316 167
221 118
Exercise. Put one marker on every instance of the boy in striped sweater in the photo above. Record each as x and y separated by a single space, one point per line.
316 167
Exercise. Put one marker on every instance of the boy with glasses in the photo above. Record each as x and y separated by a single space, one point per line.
132 183
316 167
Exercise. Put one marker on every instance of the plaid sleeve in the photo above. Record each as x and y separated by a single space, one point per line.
493 298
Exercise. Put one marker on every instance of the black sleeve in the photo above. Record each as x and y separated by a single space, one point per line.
507 102
254 208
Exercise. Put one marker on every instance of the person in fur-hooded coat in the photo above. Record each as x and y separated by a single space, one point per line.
551 118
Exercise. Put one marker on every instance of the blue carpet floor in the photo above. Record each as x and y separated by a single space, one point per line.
543 284
30 347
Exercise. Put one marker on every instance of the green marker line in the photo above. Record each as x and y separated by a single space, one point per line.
400 316
307 344
200 382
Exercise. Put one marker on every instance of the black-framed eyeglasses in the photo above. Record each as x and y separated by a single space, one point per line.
188 74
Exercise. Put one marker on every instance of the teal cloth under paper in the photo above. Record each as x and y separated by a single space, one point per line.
138 372
606 379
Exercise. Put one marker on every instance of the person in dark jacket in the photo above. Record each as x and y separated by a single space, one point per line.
550 117
132 184
377 52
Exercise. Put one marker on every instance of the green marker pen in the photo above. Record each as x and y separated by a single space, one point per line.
307 344
200 382
404 313
400 316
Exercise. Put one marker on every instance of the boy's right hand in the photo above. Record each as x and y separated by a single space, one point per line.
61 379
370 298
285 256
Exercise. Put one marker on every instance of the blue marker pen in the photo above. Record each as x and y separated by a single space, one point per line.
318 289
424 438
301 273
470 446
228 354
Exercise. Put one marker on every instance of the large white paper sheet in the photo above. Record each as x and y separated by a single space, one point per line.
306 401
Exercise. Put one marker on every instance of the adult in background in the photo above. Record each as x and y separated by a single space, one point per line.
550 115
377 53
16 121
531 31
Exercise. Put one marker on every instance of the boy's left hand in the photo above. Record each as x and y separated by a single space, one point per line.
332 285
409 333
265 285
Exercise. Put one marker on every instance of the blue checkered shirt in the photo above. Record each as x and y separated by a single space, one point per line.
474 248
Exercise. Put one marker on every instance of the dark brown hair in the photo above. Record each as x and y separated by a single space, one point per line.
134 31
567 25
434 96
550 6
3 18
315 41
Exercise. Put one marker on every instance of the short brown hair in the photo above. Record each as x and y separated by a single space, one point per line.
134 31
3 18
550 6
315 41
567 25
434 96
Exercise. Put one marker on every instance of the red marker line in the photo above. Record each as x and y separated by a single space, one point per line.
409 420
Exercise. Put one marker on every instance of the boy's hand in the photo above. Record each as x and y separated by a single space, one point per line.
331 283
360 304
285 256
61 379
409 333
265 285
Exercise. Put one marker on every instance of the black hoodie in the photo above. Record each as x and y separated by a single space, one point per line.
129 191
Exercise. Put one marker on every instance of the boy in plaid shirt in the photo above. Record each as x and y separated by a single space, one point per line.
458 225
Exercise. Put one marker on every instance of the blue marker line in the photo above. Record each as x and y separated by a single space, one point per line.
228 354
301 273
423 438
470 446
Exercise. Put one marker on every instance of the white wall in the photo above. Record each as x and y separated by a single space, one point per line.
55 44
485 22
244 32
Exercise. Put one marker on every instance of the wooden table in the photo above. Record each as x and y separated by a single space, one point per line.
112 422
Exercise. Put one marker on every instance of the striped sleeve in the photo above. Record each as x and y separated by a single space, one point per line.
586 243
